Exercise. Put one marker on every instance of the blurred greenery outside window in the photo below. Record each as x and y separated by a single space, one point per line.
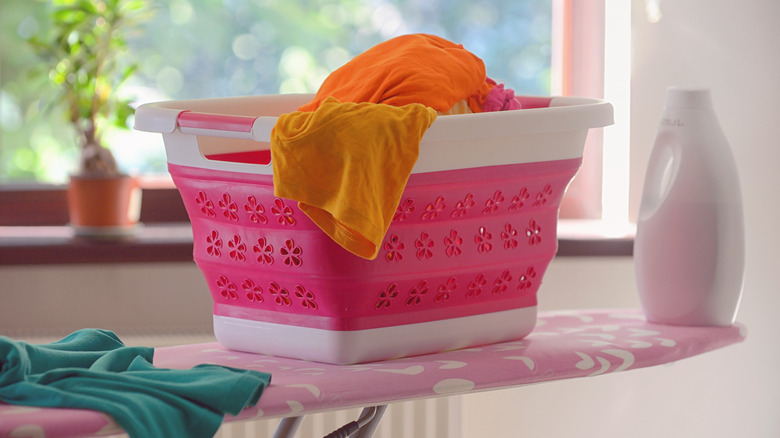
216 48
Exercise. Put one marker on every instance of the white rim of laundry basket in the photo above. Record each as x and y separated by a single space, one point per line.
460 141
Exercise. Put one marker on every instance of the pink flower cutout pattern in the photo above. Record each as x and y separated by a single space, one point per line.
416 293
280 294
237 249
264 250
205 204
433 209
446 290
491 205
509 236
386 297
453 243
306 296
229 208
394 246
534 233
527 279
501 283
291 253
482 239
518 201
462 207
404 209
214 244
541 197
227 288
475 287
255 210
424 246
254 293
283 212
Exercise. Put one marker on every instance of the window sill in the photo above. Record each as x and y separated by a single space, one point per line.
593 238
172 242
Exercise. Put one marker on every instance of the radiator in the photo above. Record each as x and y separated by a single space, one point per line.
431 418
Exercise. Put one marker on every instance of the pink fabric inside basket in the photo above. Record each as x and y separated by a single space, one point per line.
249 157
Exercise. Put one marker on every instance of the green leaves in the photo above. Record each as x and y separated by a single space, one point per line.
69 16
86 57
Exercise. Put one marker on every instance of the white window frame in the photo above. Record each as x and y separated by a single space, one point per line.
592 57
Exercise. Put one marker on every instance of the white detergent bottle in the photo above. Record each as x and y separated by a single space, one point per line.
689 251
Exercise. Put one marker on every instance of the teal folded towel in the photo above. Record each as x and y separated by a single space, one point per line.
93 369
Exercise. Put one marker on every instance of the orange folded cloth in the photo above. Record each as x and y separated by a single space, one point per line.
417 68
347 165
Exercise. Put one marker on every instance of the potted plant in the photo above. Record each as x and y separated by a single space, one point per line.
85 57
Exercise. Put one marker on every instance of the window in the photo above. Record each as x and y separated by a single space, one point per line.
209 48
592 53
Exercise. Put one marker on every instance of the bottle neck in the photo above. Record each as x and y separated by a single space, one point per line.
688 98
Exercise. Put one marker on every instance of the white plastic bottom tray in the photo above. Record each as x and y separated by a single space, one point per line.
356 346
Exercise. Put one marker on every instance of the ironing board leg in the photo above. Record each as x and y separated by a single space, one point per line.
287 427
367 430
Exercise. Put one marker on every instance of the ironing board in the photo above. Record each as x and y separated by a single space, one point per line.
564 345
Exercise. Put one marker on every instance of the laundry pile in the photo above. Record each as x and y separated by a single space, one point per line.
346 155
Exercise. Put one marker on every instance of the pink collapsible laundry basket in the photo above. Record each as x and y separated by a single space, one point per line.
460 265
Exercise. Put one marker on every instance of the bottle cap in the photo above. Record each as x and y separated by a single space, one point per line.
688 98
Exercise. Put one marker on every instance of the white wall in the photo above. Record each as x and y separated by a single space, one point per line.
731 47
52 300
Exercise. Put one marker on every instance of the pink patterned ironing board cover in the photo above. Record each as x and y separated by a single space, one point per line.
564 345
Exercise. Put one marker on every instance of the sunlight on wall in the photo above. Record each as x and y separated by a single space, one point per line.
617 90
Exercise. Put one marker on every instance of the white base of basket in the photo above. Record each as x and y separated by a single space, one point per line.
356 346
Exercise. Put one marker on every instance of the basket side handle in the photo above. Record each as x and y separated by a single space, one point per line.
221 125
158 117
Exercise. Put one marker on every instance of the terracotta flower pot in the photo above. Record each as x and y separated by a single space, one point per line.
104 207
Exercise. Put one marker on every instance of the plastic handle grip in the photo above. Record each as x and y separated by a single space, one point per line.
221 125
218 122
662 171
